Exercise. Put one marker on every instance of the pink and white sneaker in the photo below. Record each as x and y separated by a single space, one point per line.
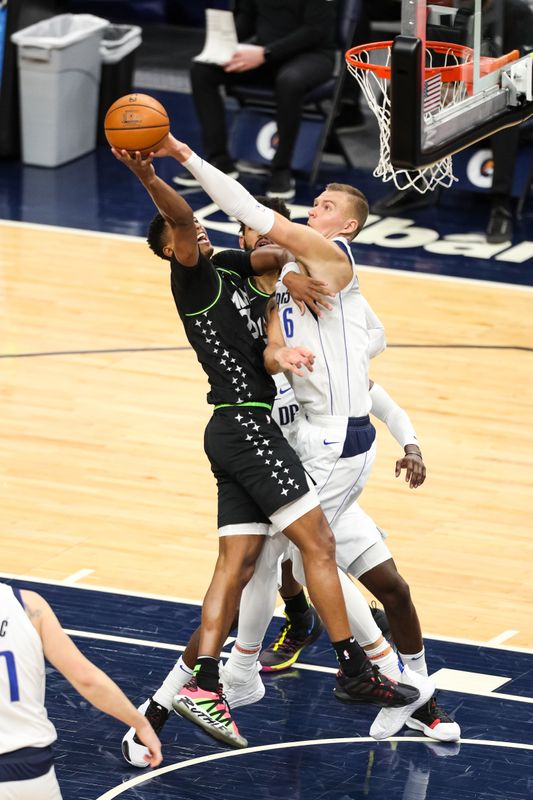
210 711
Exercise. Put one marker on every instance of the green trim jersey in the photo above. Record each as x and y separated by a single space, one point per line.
215 310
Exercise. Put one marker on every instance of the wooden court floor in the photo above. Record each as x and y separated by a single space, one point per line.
103 408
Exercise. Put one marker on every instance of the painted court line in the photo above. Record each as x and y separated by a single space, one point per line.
147 776
502 637
78 576
187 601
452 680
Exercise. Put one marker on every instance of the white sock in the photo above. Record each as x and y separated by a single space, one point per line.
416 662
243 658
387 660
362 623
258 602
176 679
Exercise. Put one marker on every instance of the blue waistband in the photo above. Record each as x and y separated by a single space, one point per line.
358 422
26 763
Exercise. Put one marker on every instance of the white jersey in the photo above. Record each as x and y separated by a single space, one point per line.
340 340
285 408
23 718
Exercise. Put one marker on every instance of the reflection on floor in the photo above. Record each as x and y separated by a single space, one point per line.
303 744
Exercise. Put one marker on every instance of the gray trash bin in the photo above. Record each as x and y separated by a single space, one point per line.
117 50
59 66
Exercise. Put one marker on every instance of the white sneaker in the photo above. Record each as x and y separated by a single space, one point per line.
239 693
390 720
434 722
133 749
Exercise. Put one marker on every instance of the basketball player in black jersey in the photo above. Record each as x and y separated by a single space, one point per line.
259 477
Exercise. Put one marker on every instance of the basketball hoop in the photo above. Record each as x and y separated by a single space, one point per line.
445 85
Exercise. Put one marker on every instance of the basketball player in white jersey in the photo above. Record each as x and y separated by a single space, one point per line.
29 631
364 533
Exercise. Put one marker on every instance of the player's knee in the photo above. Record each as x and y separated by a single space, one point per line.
321 544
398 592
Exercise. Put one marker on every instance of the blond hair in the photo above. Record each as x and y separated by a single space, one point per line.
358 201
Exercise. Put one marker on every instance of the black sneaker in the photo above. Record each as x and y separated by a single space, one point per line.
293 637
281 184
381 620
371 686
500 225
133 749
435 722
185 179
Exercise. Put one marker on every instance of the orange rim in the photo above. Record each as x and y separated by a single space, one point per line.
454 72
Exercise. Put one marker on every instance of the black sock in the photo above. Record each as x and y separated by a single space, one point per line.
296 605
351 657
206 673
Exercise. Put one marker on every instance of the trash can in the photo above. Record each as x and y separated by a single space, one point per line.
59 67
117 51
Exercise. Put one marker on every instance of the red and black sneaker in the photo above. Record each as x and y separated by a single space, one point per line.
371 686
435 722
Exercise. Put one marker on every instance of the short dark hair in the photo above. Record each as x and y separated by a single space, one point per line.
156 238
359 202
275 203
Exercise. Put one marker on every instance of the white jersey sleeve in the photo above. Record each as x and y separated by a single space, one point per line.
24 721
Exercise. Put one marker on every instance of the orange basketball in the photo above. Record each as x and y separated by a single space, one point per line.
136 122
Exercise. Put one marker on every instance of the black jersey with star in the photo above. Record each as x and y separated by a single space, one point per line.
214 307
240 264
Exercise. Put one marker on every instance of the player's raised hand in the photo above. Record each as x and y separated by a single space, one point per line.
306 291
415 469
293 359
138 164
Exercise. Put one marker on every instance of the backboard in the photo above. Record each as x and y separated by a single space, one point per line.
485 88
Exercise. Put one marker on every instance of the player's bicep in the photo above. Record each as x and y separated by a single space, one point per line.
62 653
321 257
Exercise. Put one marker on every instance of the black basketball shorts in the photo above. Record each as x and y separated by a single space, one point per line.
256 470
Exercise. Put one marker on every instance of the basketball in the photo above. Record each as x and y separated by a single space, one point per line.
136 122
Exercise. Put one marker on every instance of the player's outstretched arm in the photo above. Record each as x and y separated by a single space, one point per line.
169 203
398 422
86 677
321 257
280 358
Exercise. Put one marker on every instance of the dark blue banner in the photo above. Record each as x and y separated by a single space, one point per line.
3 21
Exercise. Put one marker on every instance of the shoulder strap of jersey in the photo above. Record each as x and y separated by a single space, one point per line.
341 242
18 595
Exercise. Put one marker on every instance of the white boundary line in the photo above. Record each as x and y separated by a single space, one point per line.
502 637
192 762
108 589
187 601
77 576
109 637
382 270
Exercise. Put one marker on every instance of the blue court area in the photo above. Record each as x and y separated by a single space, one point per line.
304 745
447 238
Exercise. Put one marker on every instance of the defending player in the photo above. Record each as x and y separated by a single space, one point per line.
29 632
243 445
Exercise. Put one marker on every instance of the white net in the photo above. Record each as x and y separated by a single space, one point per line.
439 94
